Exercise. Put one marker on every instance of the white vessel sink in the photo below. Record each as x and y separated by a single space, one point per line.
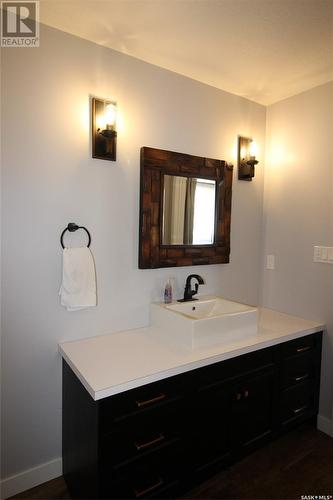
205 322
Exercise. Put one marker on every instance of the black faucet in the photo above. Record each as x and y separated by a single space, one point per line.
188 292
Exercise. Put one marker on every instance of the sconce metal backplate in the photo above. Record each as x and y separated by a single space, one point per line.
104 142
245 170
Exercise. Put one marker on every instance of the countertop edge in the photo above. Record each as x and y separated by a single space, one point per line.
78 373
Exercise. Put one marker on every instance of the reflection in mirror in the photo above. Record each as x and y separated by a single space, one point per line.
188 211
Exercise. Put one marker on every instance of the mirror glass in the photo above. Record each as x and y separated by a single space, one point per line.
188 211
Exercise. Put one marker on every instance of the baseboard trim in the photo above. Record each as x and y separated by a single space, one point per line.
30 478
325 424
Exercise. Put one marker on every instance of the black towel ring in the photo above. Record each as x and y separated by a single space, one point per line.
71 228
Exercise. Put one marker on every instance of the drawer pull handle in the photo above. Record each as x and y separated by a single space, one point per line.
303 349
141 493
143 446
302 408
147 402
303 377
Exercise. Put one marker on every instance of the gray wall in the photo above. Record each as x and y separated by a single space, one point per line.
299 214
49 179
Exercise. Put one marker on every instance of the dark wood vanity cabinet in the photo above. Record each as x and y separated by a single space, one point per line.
156 440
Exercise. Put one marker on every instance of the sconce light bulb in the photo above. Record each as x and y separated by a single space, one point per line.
253 149
110 115
243 153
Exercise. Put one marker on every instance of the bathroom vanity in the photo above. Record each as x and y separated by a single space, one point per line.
143 418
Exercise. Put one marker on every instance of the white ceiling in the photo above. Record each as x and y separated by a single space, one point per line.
264 50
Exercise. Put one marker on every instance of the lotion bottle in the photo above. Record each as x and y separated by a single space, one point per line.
168 292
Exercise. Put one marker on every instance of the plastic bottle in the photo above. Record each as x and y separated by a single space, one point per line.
168 292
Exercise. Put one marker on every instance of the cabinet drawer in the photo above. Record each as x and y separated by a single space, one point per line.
118 451
149 476
157 414
298 369
152 487
141 435
141 400
297 402
299 346
235 368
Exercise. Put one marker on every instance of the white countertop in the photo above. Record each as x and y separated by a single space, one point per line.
110 364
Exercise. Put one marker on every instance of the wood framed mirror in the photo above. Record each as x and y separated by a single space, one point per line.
185 210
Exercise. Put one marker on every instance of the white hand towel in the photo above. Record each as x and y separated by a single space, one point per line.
78 289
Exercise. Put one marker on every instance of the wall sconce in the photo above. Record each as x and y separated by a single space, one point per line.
104 134
246 158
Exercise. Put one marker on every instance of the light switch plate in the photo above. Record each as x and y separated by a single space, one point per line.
270 262
330 255
316 254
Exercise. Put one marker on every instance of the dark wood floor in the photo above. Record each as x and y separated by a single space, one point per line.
299 463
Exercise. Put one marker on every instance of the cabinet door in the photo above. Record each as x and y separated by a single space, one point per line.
210 427
252 411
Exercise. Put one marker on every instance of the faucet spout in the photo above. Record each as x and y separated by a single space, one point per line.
188 292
